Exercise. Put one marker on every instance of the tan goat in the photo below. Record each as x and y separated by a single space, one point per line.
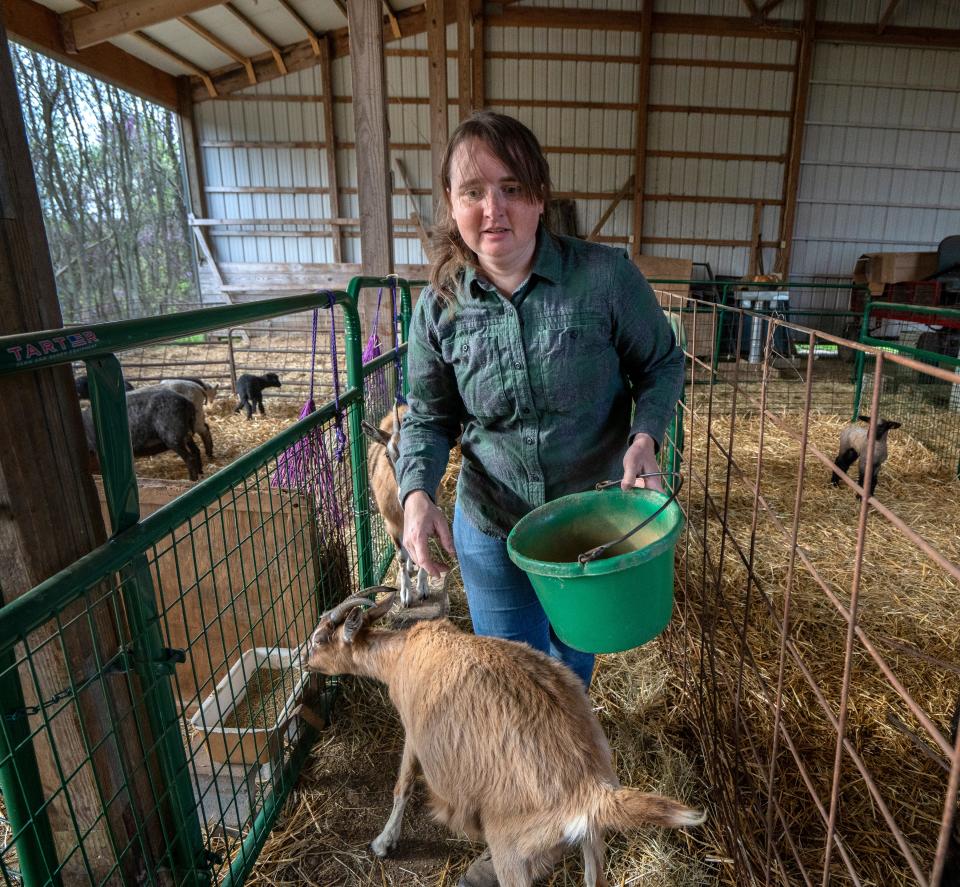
509 746
382 454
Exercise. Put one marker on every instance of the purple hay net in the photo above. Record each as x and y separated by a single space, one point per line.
306 465
376 382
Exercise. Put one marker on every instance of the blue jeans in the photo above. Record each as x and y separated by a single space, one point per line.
502 601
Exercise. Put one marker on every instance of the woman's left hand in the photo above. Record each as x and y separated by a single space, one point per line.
641 458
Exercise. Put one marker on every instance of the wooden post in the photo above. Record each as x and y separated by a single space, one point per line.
330 137
791 181
439 128
49 517
643 101
191 147
464 74
478 91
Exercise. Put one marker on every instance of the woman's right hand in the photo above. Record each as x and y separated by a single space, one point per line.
422 520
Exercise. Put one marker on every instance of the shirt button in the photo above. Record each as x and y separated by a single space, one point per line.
465 349
535 477
573 334
518 364
530 441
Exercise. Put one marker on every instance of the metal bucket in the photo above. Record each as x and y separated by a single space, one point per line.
611 601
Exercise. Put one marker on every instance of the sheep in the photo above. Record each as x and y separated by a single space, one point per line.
198 394
382 454
509 746
210 391
853 446
159 420
82 384
250 391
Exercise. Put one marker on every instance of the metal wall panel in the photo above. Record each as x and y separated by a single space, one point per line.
881 160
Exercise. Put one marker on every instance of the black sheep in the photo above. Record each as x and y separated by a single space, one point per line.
250 391
853 446
159 420
82 385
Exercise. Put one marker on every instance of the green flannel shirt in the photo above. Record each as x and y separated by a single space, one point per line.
539 387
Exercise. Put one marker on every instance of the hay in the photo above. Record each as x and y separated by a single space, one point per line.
267 691
905 608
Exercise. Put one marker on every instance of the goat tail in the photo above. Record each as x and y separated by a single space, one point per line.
624 809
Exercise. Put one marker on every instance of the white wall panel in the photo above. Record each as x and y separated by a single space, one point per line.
881 158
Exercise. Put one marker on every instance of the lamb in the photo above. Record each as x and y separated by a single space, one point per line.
382 454
250 391
507 741
853 446
198 394
159 420
82 384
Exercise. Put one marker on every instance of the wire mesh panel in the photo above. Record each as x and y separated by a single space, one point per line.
817 639
156 707
929 405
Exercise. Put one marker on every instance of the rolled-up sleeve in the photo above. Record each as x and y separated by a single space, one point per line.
432 423
649 354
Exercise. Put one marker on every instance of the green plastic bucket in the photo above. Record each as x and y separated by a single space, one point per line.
619 601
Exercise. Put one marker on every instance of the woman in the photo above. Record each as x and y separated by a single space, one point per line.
533 349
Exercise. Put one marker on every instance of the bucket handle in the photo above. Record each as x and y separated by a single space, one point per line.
594 553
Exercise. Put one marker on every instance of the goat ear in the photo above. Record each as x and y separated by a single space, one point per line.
864 419
892 425
352 625
375 434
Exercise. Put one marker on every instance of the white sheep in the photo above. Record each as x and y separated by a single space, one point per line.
853 446
508 743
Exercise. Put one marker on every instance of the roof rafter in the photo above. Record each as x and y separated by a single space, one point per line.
84 28
886 15
392 18
180 60
222 45
275 50
299 19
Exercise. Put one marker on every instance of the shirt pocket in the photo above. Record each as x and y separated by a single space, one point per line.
475 356
574 362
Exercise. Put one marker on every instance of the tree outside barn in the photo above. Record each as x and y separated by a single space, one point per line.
108 172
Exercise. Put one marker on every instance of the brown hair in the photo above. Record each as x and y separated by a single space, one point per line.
517 148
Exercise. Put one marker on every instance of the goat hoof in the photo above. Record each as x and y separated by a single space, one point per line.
381 848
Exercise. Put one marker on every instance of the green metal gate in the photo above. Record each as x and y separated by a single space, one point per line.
161 674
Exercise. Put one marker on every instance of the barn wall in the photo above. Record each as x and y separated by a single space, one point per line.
881 152
881 161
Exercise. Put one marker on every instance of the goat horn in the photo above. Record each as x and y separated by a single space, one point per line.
339 612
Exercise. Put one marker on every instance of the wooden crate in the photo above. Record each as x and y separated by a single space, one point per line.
243 575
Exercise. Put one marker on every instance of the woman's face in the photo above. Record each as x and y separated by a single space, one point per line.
492 215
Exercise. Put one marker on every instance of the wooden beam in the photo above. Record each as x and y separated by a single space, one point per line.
755 265
464 78
392 19
768 7
414 213
791 183
752 8
642 124
208 256
437 91
83 29
478 62
222 45
887 14
186 64
263 38
312 37
38 28
617 198
370 119
330 136
197 201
